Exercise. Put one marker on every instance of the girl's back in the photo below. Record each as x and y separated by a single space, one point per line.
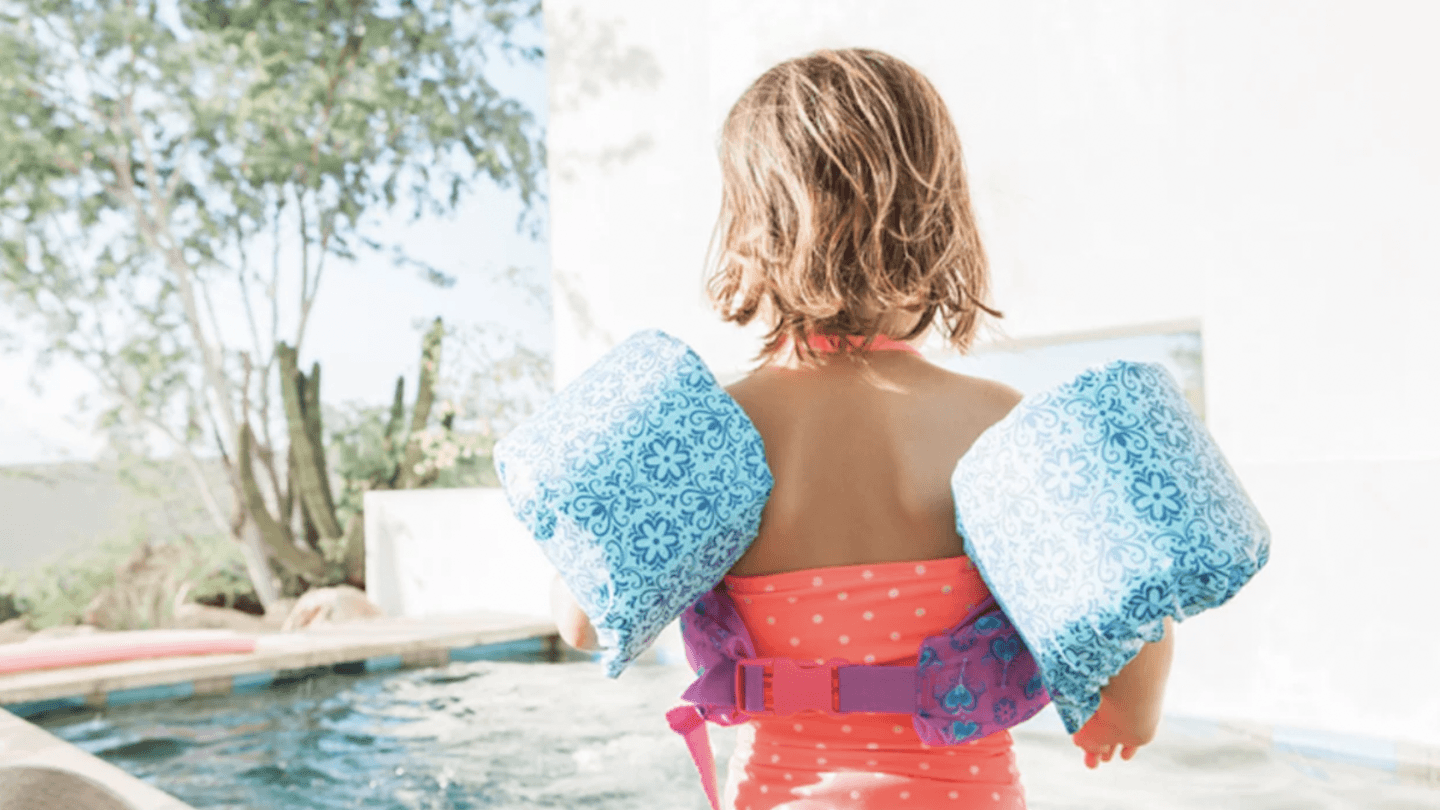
858 559
861 449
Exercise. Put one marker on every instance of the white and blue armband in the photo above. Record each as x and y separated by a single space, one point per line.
1093 511
643 483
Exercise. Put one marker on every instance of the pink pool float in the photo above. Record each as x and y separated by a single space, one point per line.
101 648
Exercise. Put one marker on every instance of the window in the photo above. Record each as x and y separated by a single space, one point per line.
1034 365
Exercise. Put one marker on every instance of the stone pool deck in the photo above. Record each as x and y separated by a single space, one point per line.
354 647
361 646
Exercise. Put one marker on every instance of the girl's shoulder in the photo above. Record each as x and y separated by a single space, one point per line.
923 388
981 394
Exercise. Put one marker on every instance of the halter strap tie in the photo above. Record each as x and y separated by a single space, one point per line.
881 343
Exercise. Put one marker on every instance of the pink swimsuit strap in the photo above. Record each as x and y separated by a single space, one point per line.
881 343
877 572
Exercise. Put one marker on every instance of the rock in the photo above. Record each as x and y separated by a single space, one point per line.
192 616
278 612
341 603
143 589
14 630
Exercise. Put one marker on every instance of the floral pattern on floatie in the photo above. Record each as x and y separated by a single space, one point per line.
643 482
1093 511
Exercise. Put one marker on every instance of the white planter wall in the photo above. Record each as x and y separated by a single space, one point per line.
433 552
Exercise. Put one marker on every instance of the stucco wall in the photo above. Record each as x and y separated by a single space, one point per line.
1264 169
436 552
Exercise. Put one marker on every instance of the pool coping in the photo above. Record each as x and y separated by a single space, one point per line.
370 646
25 744
353 648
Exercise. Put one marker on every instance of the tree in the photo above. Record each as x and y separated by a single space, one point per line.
149 153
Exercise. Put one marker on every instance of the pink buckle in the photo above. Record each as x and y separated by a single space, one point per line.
795 686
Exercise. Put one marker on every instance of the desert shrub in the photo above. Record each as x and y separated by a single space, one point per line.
129 582
10 607
364 456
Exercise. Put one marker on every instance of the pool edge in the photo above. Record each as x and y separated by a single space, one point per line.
370 645
24 744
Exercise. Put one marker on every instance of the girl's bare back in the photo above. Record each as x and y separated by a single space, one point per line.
862 449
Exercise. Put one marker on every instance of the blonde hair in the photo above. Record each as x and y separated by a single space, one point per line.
845 200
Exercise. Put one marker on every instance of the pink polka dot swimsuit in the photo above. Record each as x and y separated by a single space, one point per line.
877 614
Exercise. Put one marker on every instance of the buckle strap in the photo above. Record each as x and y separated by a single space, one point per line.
877 688
784 686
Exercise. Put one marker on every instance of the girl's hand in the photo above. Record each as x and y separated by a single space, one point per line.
1102 737
1130 704
570 621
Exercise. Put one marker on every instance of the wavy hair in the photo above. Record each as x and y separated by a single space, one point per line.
844 201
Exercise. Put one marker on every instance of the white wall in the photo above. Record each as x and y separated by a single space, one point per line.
433 552
1266 169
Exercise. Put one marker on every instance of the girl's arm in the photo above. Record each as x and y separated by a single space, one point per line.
570 621
1130 704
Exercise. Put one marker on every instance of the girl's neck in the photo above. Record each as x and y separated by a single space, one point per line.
829 344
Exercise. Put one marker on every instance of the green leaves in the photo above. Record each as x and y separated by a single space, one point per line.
348 100
133 146
147 150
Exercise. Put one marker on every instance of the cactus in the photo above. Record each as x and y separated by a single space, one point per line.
277 535
341 555
302 413
397 415
424 399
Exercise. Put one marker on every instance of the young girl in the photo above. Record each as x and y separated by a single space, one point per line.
846 227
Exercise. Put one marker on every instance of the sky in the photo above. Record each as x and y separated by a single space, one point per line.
365 327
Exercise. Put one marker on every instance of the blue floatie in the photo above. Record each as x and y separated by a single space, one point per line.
1092 510
643 482
1095 509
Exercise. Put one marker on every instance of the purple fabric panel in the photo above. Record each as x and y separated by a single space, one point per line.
974 680
877 689
715 639
716 687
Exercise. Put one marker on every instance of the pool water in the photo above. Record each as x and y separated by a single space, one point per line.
531 734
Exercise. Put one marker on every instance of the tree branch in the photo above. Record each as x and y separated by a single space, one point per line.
250 321
263 390
158 201
213 362
304 269
266 454
187 457
274 290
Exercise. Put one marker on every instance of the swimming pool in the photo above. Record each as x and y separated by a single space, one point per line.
530 734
